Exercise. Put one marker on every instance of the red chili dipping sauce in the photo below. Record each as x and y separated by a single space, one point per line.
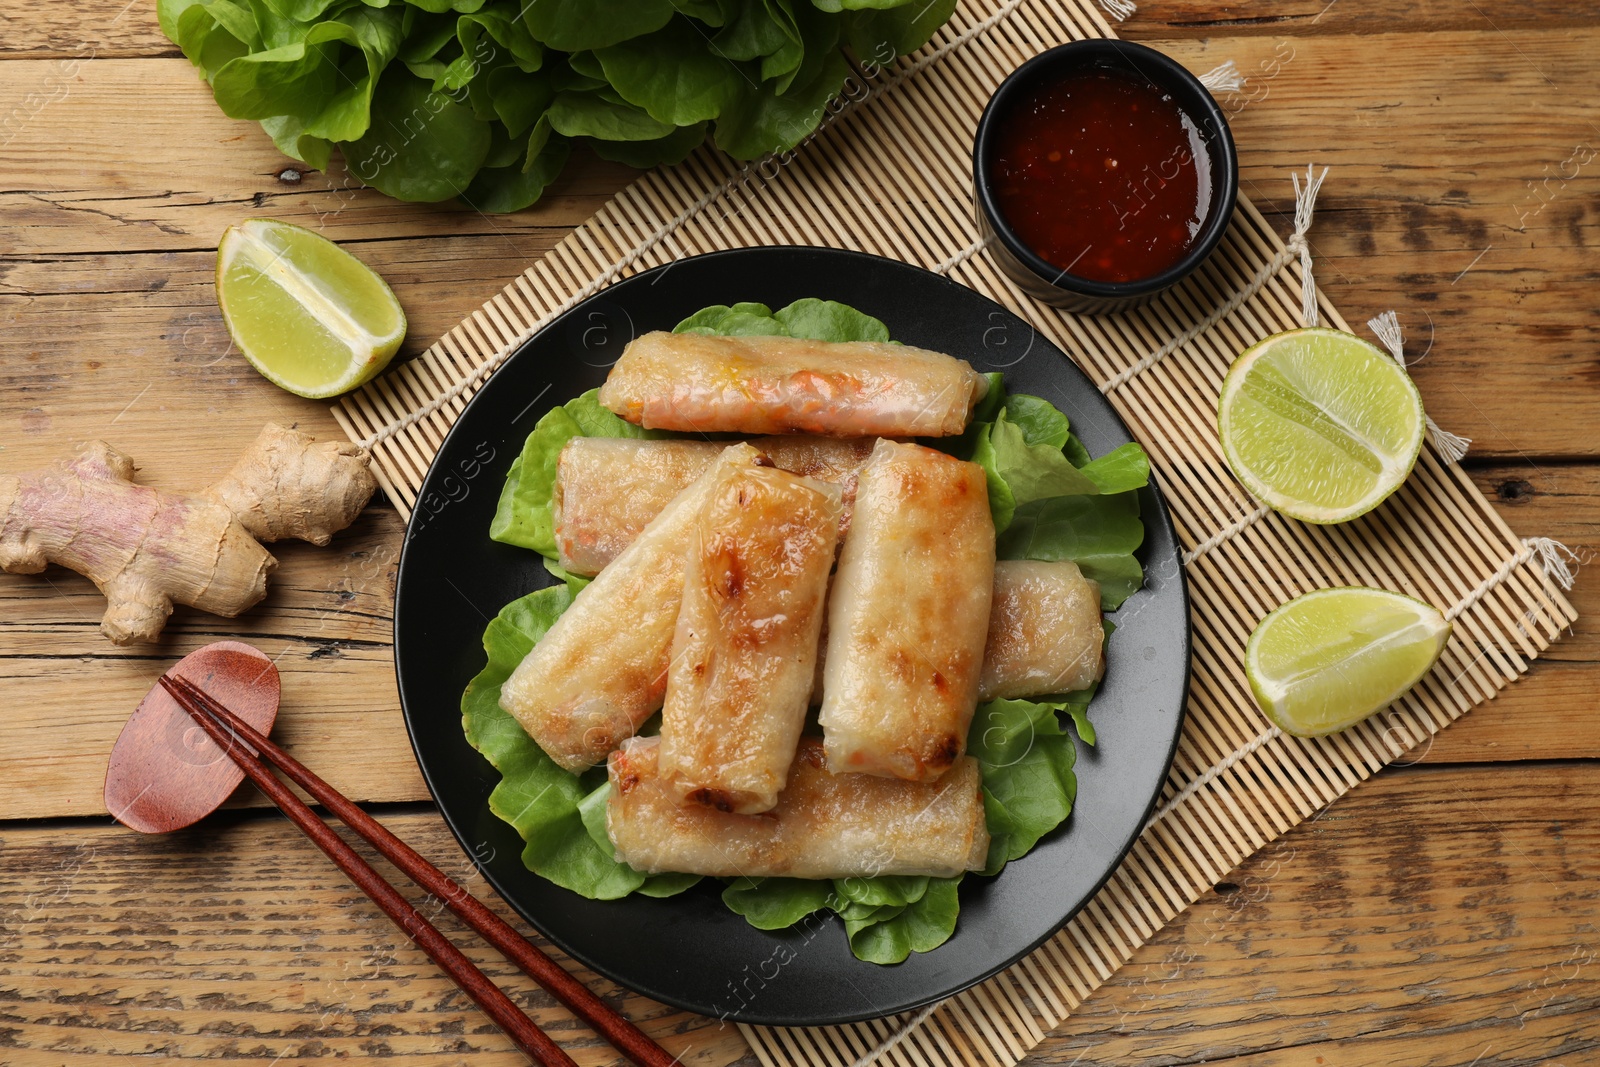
1102 174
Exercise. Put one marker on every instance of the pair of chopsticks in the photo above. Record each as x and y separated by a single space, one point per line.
236 738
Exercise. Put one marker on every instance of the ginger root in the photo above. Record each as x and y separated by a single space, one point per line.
146 549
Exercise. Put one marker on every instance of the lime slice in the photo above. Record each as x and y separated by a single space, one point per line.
1319 424
1327 660
308 315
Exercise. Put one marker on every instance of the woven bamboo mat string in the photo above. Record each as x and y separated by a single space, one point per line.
888 172
1452 447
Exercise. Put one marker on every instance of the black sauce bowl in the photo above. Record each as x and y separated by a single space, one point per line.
1022 264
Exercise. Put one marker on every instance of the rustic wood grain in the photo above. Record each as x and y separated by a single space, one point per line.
82 173
1162 20
109 29
237 939
326 622
115 345
1444 204
1441 915
1534 718
1427 915
1460 196
102 28
1434 916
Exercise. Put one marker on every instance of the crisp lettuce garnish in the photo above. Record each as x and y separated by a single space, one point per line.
1098 533
482 99
526 515
544 803
814 320
1050 501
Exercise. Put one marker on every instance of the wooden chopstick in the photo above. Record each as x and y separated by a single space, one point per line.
622 1034
485 993
228 731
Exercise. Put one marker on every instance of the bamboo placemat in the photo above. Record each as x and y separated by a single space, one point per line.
890 174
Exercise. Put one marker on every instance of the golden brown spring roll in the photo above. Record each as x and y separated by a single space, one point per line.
824 825
746 641
775 385
601 670
909 615
608 488
1044 631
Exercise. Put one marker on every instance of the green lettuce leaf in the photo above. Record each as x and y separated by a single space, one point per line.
289 134
519 100
525 515
776 903
762 120
736 320
887 935
1020 473
539 799
1050 501
1028 783
579 25
886 918
422 145
513 187
884 891
578 114
507 32
879 35
672 74
592 810
1122 469
643 80
1040 421
673 148
756 30
1098 533
802 59
1026 458
310 77
816 320
828 320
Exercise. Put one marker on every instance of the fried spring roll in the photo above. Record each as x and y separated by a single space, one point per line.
775 385
909 615
608 488
746 641
602 668
824 825
1044 632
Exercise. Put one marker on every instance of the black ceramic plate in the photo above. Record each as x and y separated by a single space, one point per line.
689 950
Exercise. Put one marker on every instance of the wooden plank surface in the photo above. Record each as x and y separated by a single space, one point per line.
1439 915
1432 914
1443 205
1462 196
238 940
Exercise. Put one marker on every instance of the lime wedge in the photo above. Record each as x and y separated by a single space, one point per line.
1319 424
1327 660
308 315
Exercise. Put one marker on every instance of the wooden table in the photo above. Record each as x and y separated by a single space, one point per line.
1447 912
